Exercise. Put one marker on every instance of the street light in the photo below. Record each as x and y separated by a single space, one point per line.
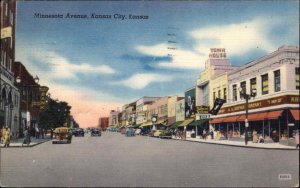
247 97
27 86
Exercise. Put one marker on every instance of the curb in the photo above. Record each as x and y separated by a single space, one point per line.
25 146
232 145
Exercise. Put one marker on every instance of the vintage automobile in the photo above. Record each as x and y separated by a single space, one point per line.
129 132
78 132
166 134
62 135
95 132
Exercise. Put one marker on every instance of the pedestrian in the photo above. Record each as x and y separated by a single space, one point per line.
204 134
43 133
297 139
51 133
26 137
6 137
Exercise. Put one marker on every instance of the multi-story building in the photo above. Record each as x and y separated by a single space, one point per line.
271 86
216 65
142 108
32 98
103 123
172 101
114 118
9 94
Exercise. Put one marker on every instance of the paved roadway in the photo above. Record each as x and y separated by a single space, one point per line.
115 160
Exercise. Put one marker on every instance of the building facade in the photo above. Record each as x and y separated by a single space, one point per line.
272 85
103 123
9 94
142 108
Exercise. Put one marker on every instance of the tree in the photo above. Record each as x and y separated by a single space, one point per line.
55 114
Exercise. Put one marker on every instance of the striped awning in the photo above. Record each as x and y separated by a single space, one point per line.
186 122
146 124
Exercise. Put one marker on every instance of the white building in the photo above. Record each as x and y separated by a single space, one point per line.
272 85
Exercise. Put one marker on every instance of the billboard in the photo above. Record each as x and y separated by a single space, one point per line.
190 102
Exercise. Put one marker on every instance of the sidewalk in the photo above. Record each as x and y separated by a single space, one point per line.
18 142
241 144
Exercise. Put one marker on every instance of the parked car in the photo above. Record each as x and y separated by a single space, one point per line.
79 132
95 132
129 132
62 135
145 132
138 131
166 134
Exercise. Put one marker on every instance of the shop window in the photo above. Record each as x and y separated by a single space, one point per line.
297 78
265 84
234 93
243 87
277 80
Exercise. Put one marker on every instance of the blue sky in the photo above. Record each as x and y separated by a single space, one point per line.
101 64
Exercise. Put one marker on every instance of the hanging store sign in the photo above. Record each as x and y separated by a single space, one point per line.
6 32
202 109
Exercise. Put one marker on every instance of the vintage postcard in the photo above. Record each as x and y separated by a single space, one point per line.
119 93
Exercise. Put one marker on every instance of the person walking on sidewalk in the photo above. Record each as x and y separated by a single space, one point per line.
26 137
297 139
6 137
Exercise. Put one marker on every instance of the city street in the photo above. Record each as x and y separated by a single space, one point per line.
115 160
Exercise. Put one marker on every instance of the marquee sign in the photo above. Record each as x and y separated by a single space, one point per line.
217 53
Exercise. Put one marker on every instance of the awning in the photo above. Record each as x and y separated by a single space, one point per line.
161 122
217 120
295 114
198 122
137 125
274 114
261 116
230 119
146 124
176 124
186 122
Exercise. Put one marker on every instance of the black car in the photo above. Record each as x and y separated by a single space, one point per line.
95 132
78 132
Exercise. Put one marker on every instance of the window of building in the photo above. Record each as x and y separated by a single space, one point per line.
265 84
4 59
225 94
234 92
297 78
11 18
6 9
219 94
277 80
243 87
10 65
253 84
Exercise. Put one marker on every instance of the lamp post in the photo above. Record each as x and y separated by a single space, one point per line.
154 119
247 97
27 86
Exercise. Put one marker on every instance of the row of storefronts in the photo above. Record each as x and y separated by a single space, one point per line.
261 96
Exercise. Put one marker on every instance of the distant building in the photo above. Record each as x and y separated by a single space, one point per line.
103 123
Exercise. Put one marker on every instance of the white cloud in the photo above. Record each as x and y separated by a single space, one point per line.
59 66
180 58
140 81
237 38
